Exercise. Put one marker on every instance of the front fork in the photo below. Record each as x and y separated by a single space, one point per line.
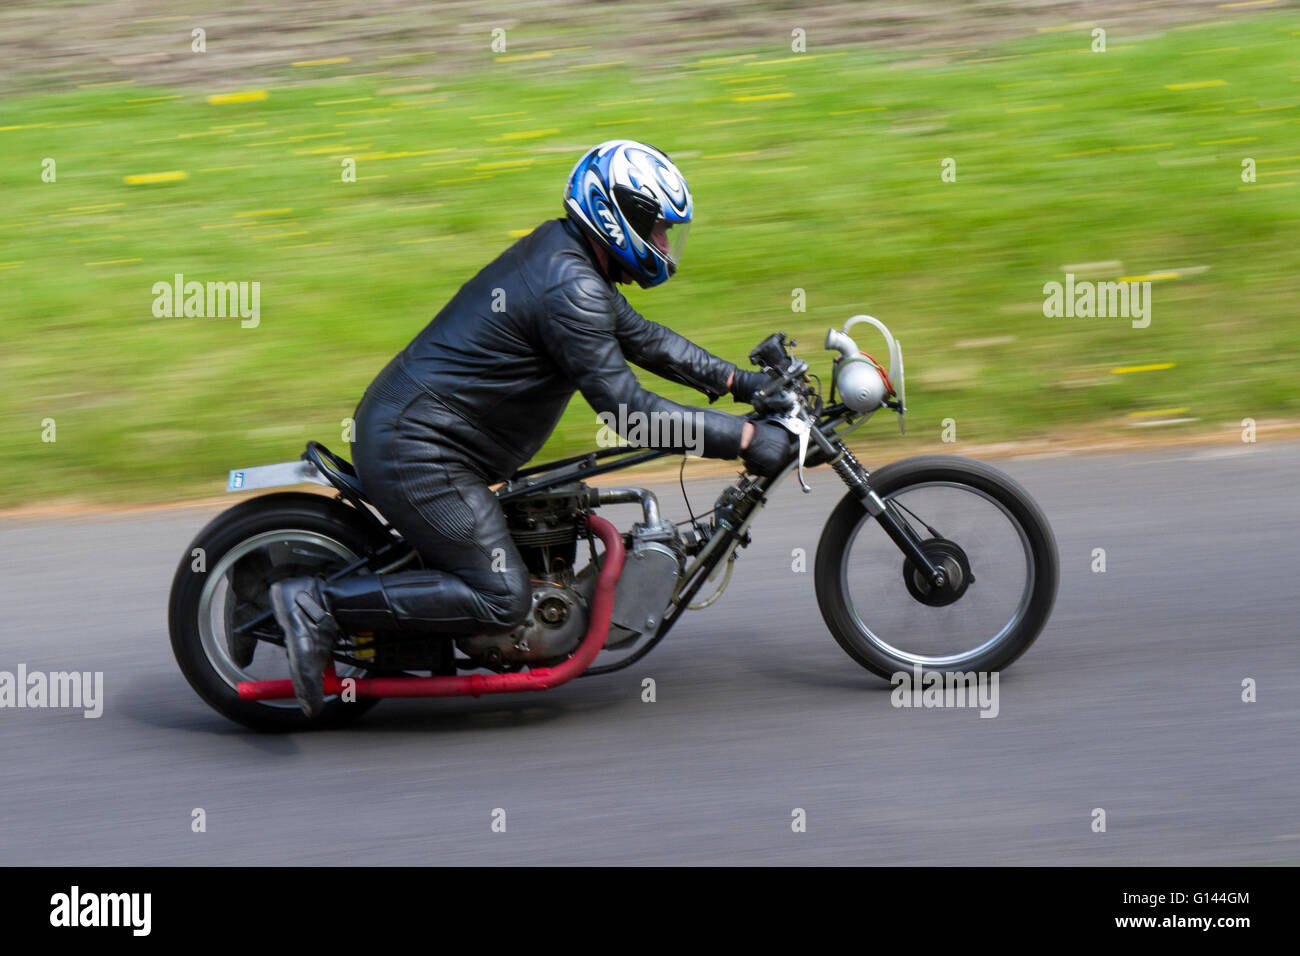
853 474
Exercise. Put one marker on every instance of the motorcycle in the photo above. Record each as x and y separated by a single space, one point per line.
934 563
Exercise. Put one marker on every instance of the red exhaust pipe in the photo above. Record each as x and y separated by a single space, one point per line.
543 678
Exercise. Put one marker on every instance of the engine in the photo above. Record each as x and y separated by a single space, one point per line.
545 527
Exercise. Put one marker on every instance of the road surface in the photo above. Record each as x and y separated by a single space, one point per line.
1131 701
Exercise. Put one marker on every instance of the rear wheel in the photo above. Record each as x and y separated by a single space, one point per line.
989 536
223 581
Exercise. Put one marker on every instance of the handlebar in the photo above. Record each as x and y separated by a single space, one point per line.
789 399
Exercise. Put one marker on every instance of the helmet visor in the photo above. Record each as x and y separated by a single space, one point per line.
669 238
642 214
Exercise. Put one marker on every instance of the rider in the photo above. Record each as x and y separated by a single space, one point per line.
478 391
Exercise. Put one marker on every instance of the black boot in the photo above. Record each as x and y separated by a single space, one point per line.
309 634
360 603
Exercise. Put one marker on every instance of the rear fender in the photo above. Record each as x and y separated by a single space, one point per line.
275 476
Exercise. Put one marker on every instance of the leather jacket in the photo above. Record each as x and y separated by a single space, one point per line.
505 355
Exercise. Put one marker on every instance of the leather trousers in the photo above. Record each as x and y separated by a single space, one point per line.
474 580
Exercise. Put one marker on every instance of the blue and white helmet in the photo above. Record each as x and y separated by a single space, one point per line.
630 198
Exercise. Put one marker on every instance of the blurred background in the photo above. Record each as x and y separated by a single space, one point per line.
814 140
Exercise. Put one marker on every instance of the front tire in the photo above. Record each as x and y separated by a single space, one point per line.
852 601
304 533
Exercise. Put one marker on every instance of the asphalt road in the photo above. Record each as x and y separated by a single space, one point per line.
1130 701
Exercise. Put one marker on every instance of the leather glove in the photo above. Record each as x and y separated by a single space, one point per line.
745 384
770 450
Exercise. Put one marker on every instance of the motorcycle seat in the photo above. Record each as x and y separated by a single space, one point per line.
336 471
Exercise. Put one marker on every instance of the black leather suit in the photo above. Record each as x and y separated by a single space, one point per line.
473 397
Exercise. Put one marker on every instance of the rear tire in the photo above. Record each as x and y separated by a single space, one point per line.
317 515
842 528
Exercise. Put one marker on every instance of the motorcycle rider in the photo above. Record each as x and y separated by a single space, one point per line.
479 390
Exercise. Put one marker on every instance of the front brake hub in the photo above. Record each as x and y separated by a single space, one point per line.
947 556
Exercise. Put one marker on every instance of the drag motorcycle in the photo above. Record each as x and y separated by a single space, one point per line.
936 562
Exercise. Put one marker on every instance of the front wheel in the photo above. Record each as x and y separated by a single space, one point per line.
986 532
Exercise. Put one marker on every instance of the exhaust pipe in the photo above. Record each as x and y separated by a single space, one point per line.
646 497
474 685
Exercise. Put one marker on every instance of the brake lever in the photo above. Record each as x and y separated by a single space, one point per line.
800 429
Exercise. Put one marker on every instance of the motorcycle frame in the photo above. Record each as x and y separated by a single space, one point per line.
721 546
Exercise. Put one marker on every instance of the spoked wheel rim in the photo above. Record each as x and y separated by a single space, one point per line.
990 565
326 552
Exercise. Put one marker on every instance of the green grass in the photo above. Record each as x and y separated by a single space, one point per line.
1062 156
